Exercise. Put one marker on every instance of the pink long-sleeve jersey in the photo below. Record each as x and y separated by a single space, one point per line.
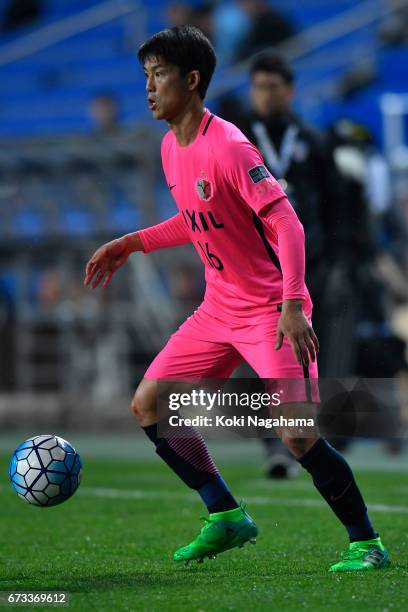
239 220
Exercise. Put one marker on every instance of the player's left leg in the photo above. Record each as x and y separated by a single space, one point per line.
331 474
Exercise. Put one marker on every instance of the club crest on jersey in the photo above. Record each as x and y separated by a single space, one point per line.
204 189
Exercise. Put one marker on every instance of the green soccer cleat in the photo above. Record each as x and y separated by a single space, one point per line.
222 531
363 557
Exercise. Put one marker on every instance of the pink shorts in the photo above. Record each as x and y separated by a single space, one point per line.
205 347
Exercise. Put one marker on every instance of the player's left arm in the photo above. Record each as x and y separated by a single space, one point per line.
246 171
291 241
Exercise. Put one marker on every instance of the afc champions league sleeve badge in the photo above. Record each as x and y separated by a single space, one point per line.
204 188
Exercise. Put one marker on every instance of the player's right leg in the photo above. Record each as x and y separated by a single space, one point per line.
187 356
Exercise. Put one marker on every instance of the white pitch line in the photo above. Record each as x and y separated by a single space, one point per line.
256 500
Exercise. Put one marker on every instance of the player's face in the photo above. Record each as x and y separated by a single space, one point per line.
167 91
270 93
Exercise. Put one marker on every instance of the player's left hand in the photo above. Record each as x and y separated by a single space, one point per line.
294 325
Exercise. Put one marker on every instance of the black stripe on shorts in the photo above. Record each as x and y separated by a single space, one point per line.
307 384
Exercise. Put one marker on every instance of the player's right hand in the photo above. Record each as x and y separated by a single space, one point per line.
106 260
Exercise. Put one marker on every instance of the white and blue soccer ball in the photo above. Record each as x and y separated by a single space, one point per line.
45 470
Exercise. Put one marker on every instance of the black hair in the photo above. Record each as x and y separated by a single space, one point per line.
185 47
270 62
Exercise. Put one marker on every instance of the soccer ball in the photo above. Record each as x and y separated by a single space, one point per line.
45 470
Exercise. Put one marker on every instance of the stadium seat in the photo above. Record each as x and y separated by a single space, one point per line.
29 222
123 217
76 221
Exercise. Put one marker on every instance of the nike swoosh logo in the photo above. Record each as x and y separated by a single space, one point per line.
171 187
333 498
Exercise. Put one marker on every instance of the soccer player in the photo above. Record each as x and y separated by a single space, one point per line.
256 305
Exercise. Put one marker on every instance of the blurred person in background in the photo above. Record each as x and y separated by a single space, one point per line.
299 158
378 351
7 322
224 23
367 174
177 14
267 28
231 25
91 358
20 13
394 29
104 112
200 15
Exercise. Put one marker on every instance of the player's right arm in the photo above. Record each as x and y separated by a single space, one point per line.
112 255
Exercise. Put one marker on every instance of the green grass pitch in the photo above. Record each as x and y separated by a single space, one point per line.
110 546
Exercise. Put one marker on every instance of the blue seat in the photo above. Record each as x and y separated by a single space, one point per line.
29 222
123 216
393 66
166 205
76 221
8 285
49 91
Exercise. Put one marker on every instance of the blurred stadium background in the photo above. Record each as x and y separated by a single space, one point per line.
80 164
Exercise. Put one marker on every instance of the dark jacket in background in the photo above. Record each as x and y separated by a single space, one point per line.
316 190
268 29
21 12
